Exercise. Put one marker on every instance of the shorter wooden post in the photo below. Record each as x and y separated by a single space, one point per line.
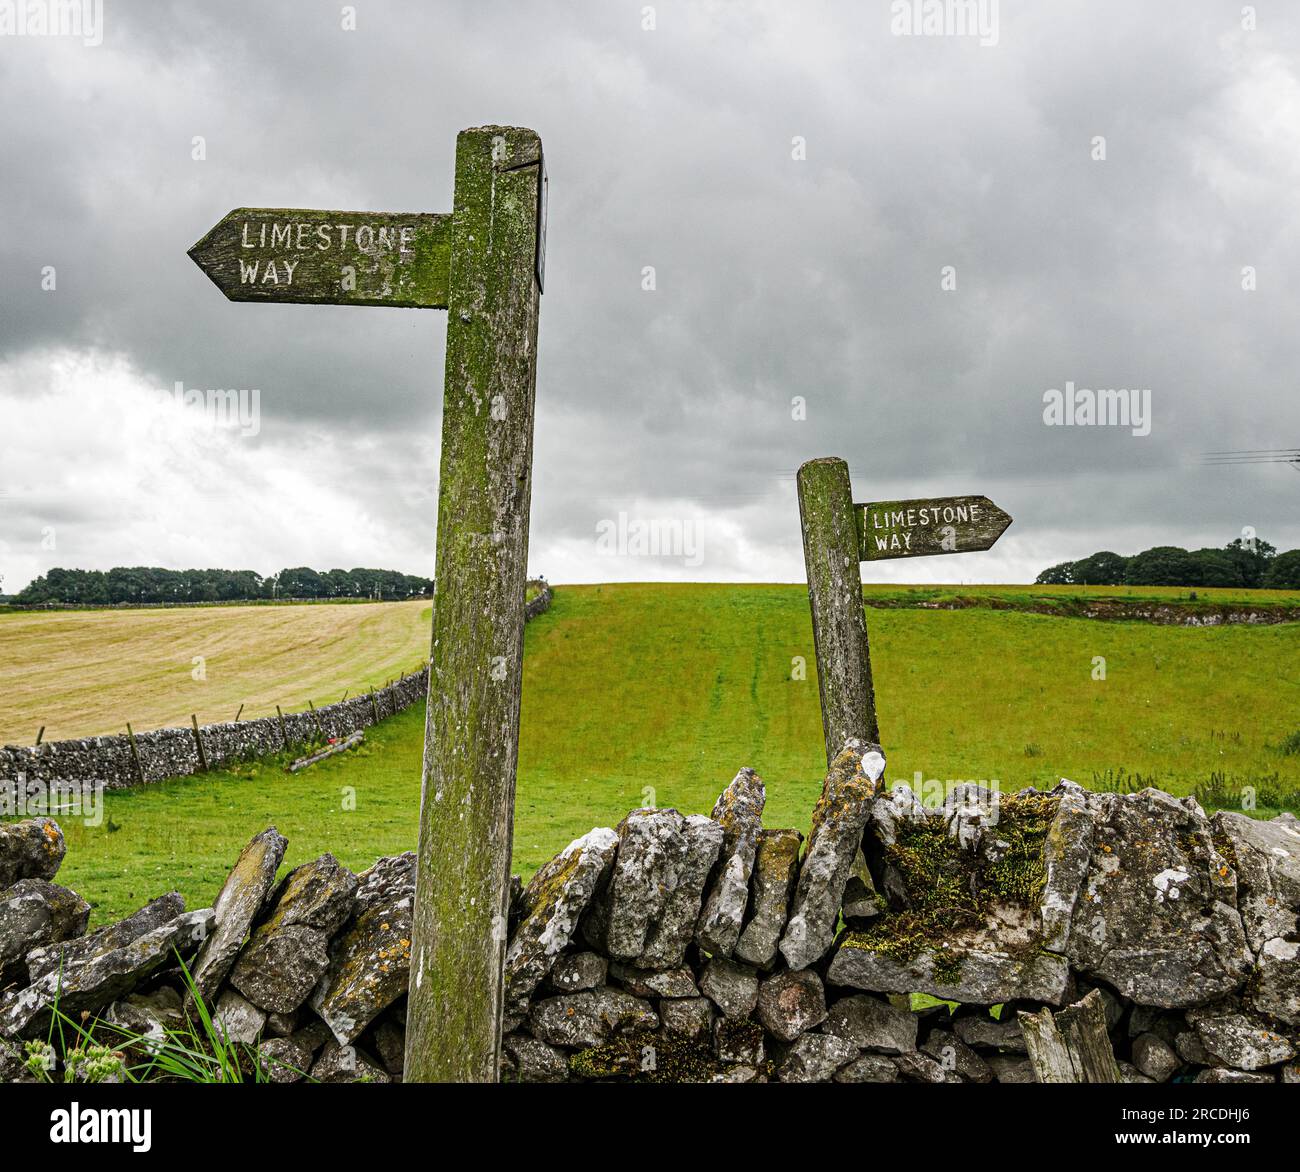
831 551
320 732
135 752
239 713
284 732
40 735
374 704
198 740
1073 1046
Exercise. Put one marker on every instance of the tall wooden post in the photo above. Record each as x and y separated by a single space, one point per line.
832 551
472 731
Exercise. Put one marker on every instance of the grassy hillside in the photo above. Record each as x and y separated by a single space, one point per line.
657 693
86 673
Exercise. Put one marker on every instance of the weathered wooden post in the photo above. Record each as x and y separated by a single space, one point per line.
485 264
453 1022
830 551
837 535
1073 1046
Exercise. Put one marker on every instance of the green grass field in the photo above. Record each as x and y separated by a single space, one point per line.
643 694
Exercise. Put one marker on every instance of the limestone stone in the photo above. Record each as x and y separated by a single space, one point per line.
1155 1058
987 1033
919 1067
732 987
973 976
816 1058
287 953
550 909
871 1024
95 976
1157 920
1238 1040
347 1064
739 811
238 1019
283 1060
690 1017
1274 988
1266 856
369 964
578 971
669 936
833 842
668 983
588 1019
36 912
651 852
951 1053
237 906
972 888
791 1003
868 1068
1219 1075
32 849
771 886
535 1061
861 899
157 912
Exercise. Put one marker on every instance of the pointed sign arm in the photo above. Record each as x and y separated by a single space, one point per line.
305 257
929 525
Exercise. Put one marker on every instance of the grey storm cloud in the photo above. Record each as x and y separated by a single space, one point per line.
775 277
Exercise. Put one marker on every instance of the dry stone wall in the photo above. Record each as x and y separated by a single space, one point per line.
174 752
690 948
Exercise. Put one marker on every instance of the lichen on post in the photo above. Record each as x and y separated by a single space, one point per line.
831 551
472 729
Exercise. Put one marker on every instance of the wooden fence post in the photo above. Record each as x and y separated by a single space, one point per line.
135 752
832 552
472 730
284 732
198 740
1073 1046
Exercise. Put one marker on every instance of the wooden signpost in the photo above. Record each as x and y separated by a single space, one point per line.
484 264
837 536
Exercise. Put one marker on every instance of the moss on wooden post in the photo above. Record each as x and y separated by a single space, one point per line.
472 730
831 552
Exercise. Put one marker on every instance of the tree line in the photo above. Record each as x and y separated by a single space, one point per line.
1249 565
151 584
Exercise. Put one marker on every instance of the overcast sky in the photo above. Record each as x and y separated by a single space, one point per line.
775 276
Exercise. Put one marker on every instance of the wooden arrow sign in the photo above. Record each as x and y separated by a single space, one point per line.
919 528
329 258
